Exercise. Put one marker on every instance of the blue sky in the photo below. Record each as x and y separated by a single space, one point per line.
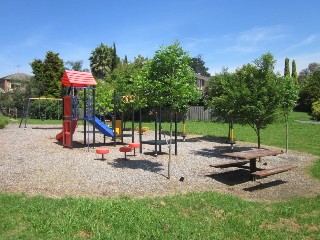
226 33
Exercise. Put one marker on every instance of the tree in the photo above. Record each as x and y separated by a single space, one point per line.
289 93
221 96
309 80
252 95
47 75
294 74
198 66
102 61
74 65
167 80
287 67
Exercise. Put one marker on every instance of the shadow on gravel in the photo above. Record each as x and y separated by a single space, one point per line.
145 165
262 186
218 151
231 178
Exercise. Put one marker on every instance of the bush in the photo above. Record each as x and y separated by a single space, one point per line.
43 109
3 121
316 110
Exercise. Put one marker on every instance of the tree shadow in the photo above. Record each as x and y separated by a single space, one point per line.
217 152
145 165
262 186
231 178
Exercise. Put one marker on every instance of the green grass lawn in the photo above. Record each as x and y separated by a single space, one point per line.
208 215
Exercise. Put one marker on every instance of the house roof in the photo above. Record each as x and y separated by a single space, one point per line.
77 79
18 76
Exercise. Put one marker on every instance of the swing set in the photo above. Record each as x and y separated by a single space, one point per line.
43 116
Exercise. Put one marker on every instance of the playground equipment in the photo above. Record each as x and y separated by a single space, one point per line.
102 151
158 141
26 110
231 140
125 150
74 81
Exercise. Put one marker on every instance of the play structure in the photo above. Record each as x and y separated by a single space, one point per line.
75 81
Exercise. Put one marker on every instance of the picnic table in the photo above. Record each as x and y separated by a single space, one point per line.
251 157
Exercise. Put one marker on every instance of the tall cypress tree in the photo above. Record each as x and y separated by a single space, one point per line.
287 68
114 58
294 74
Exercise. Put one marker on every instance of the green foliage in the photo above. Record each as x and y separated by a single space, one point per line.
104 96
45 109
198 66
294 73
47 76
221 95
74 65
287 68
102 61
309 80
289 92
316 110
253 95
168 80
3 121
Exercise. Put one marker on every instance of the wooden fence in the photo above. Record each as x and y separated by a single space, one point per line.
197 113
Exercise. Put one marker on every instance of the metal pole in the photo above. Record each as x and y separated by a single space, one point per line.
156 134
84 116
140 131
114 117
175 133
94 115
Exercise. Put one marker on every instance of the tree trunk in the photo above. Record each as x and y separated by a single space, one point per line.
287 134
258 133
170 152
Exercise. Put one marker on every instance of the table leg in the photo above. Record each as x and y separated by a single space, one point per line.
253 168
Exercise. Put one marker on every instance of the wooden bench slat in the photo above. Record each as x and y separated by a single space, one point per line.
230 164
271 171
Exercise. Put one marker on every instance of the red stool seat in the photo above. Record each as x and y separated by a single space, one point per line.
125 150
102 151
134 145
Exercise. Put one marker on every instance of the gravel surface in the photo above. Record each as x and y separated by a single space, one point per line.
33 162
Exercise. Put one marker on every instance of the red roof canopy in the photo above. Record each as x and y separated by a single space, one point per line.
77 79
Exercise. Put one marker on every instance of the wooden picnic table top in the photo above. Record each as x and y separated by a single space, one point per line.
252 154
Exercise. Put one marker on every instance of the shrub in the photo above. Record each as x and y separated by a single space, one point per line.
316 110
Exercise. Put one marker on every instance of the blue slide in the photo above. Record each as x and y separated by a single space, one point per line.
100 126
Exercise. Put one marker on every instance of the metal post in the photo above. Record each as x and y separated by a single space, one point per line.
84 115
175 133
94 115
160 128
140 131
114 117
156 134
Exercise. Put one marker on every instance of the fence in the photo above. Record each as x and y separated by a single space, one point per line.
198 113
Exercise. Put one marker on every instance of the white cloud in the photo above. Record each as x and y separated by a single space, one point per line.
253 39
307 41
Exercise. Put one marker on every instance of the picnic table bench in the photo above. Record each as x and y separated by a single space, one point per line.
230 164
251 156
272 171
